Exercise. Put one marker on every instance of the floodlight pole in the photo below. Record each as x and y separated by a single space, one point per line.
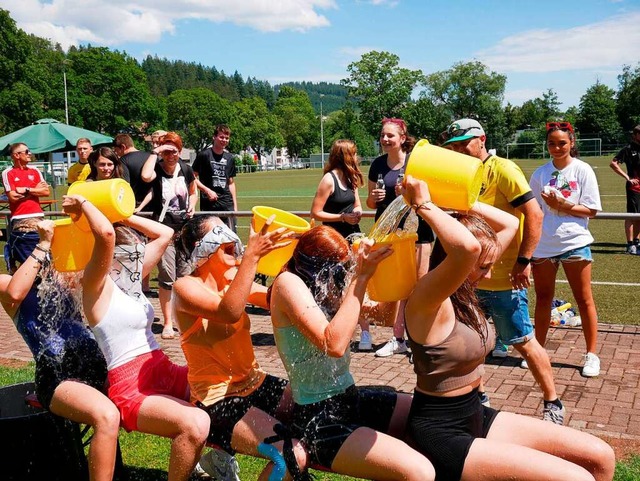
66 107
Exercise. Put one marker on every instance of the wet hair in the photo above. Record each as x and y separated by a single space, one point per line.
344 157
172 138
127 236
409 141
572 137
221 129
465 303
123 140
192 231
319 250
107 153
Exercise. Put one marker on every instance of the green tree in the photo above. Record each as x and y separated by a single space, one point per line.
425 119
254 126
194 114
345 124
380 87
597 114
628 101
298 124
470 90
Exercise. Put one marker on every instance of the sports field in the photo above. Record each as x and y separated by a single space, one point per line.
616 275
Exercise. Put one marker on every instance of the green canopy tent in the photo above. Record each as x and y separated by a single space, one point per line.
49 136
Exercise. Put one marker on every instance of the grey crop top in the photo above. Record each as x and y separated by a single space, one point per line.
455 362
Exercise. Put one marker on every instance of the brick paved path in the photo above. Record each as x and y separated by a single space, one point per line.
608 405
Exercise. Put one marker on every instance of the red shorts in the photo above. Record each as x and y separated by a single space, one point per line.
146 375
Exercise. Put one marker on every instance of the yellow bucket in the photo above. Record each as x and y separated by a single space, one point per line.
71 247
395 276
271 264
454 179
113 197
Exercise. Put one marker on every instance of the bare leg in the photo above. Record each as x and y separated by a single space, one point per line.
544 278
370 454
579 277
164 296
83 404
540 366
531 449
187 425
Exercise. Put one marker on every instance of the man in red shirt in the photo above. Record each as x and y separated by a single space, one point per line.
23 186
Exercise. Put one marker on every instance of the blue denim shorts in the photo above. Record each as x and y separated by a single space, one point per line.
574 255
510 313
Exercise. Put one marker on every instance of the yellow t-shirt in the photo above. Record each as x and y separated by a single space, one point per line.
503 186
78 171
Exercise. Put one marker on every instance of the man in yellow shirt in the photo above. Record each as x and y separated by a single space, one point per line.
504 295
80 170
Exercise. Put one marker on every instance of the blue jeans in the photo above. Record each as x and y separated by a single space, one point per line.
510 313
574 255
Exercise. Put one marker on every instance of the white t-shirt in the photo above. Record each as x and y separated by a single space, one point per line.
577 183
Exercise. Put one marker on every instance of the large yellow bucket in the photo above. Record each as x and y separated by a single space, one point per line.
397 275
454 179
113 197
271 264
71 247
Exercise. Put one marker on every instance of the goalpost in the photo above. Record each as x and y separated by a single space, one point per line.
536 150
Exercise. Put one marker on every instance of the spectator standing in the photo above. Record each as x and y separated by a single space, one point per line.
567 191
503 294
80 170
396 144
133 160
23 186
630 156
105 164
174 200
215 170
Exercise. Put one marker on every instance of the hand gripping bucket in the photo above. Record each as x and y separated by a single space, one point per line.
113 197
71 247
271 264
454 179
395 276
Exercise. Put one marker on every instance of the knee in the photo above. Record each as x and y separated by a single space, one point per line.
301 455
196 427
418 468
604 459
107 421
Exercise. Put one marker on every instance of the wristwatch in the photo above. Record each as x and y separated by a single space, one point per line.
525 261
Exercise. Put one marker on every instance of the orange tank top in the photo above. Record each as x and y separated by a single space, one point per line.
224 368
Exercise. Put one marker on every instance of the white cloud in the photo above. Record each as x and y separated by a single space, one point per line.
609 43
113 22
519 96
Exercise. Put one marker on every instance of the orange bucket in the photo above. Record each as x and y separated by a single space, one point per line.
113 197
454 179
271 264
395 276
71 247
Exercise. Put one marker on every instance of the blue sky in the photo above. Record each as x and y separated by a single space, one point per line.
565 45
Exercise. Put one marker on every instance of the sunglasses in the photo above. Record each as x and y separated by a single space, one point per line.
459 132
560 126
28 152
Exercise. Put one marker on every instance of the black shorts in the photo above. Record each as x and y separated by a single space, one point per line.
81 360
443 429
323 427
226 413
633 202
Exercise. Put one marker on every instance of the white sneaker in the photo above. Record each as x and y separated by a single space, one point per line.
365 341
632 249
591 366
524 364
501 349
392 347
218 465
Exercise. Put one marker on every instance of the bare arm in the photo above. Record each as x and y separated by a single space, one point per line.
325 189
504 224
232 189
159 238
374 195
531 232
145 201
148 172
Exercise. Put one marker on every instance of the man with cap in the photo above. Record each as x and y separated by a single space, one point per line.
630 156
504 294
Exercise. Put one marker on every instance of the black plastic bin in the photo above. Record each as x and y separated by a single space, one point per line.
35 444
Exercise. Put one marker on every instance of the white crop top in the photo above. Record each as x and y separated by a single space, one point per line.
125 330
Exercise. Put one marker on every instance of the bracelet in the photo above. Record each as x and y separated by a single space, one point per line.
42 249
424 205
82 203
40 261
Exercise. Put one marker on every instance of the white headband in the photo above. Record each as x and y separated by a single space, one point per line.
211 242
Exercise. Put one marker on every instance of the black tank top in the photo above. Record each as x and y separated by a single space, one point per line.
341 201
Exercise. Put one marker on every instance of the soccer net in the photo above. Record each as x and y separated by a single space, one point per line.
536 150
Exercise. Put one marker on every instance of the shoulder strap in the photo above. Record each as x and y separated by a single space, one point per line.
168 199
